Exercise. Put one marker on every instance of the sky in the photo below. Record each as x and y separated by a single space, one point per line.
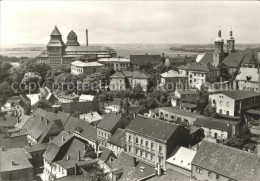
164 22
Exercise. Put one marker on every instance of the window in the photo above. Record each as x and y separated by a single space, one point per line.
129 138
227 112
172 117
146 144
160 160
209 174
129 149
152 146
217 177
166 115
151 157
227 104
160 149
141 142
136 140
198 170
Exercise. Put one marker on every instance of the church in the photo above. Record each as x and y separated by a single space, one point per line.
58 53
229 58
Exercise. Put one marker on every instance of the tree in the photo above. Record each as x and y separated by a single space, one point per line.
202 98
137 92
39 68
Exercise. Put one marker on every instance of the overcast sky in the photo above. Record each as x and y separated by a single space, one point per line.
130 21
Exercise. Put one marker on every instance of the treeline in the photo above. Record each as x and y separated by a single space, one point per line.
11 59
195 50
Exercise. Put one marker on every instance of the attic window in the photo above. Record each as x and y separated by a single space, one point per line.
248 77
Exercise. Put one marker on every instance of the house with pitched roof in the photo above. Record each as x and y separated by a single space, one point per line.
117 141
215 161
108 125
152 141
128 79
43 126
15 164
173 77
248 79
127 167
217 129
232 103
65 155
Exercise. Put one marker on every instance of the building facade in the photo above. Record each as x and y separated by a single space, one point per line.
86 68
58 53
118 64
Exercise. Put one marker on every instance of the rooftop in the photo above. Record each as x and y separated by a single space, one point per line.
55 31
91 117
18 155
240 95
230 162
86 64
110 120
182 158
248 74
87 49
143 59
213 124
194 66
119 60
233 60
118 138
172 73
153 128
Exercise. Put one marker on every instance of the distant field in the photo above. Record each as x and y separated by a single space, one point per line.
126 49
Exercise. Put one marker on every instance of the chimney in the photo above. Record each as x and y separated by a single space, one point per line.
68 157
86 37
78 155
162 55
63 138
134 162
12 162
159 170
41 118
47 121
76 169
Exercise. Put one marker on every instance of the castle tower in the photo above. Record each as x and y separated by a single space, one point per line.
230 43
72 39
55 48
218 54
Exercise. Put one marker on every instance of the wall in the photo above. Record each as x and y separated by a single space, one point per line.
209 133
179 169
150 154
18 174
142 82
227 104
204 175
117 84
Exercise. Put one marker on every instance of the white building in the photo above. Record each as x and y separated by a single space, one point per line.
115 63
248 79
78 67
230 103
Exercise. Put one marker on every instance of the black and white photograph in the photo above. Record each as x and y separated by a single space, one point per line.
129 90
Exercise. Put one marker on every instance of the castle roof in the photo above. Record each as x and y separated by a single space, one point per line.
55 32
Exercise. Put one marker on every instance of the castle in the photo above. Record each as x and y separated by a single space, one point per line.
58 53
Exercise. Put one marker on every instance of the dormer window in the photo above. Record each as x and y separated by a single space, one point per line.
248 78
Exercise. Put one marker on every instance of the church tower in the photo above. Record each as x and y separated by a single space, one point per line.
230 43
55 48
218 54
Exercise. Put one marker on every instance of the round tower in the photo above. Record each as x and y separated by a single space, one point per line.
230 43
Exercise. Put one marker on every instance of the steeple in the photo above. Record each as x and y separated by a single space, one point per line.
230 43
55 32
218 54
